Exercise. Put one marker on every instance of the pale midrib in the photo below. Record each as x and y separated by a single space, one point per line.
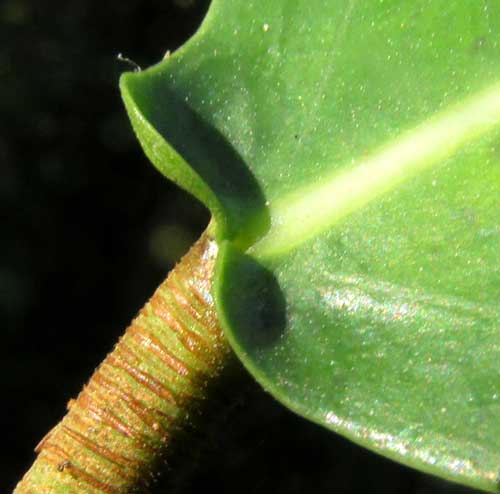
307 212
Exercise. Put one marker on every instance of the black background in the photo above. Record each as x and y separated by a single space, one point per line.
89 229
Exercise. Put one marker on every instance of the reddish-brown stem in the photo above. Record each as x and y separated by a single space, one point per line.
148 390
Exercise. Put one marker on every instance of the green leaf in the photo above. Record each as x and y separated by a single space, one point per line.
349 152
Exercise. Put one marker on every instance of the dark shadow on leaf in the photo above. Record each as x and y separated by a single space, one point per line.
208 153
252 301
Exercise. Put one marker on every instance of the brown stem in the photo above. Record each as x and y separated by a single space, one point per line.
144 396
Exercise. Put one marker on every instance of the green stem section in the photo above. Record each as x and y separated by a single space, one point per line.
149 390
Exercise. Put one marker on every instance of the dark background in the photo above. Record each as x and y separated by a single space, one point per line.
89 229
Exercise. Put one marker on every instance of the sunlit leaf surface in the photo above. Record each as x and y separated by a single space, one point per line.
349 152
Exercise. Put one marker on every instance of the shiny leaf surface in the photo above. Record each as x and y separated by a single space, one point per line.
349 152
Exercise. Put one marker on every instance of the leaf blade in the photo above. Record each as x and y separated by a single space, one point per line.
319 206
400 291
